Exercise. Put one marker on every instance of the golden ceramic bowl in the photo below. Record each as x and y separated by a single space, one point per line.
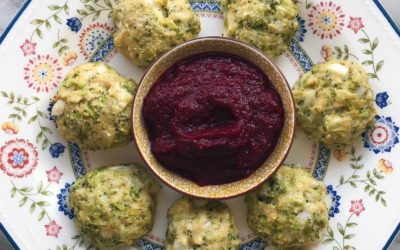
206 45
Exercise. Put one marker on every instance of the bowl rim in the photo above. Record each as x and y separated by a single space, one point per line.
224 39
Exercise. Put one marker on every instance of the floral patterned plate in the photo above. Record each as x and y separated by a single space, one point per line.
37 166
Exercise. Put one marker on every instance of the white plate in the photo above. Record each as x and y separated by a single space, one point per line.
38 166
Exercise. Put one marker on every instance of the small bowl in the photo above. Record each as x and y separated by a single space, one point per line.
210 45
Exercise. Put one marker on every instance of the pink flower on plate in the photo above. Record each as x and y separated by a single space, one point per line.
355 24
54 175
28 48
53 229
357 207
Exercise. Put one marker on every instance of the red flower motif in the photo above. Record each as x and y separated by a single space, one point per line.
326 19
43 73
357 207
53 229
355 24
18 158
54 175
28 48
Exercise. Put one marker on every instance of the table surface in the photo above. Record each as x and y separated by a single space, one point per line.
8 8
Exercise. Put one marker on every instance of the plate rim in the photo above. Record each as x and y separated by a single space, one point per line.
381 9
14 20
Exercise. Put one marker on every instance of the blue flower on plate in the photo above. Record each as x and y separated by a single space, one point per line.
334 209
381 99
49 109
383 136
63 201
74 24
56 149
301 30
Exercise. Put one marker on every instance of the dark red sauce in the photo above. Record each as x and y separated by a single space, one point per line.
213 118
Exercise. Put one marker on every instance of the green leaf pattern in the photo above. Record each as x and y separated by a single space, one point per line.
43 135
94 8
19 104
34 198
369 182
61 45
343 53
344 235
38 23
373 44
